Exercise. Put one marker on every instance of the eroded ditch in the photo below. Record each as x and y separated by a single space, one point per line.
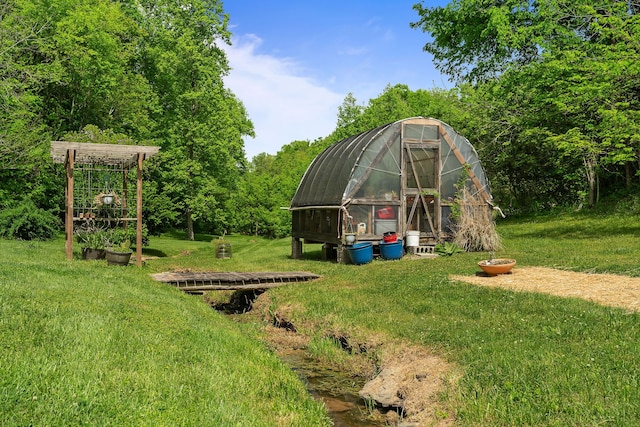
384 384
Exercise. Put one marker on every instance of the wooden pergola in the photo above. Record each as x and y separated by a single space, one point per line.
111 158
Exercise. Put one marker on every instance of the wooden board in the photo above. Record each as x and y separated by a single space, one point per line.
198 282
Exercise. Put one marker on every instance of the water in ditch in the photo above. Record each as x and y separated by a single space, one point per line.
336 390
338 393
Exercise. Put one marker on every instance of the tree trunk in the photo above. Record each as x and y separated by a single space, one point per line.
590 171
190 234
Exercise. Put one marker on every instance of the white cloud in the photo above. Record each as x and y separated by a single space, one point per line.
283 104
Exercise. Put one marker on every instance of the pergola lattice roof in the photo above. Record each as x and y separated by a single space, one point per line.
103 154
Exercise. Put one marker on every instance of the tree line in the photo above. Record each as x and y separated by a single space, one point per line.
150 70
547 91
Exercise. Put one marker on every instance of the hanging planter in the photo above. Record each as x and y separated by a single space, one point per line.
108 199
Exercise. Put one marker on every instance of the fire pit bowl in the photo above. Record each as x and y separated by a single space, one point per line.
493 267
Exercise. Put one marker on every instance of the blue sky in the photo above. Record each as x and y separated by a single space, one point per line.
293 62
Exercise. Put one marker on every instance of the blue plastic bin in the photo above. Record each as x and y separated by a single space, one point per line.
391 250
361 253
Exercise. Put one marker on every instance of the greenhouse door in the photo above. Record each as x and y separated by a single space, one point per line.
422 167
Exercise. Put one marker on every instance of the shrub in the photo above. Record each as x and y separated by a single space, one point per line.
28 222
447 249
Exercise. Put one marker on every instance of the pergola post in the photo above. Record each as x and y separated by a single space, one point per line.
68 220
139 213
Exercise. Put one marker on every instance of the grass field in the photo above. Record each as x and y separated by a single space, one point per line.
87 344
83 343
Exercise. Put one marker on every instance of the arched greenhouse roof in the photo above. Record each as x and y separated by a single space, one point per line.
337 173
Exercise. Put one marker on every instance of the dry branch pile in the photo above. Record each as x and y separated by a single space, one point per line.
475 230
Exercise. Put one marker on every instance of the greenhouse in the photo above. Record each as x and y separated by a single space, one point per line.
401 177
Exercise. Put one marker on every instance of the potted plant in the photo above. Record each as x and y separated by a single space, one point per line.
118 250
92 241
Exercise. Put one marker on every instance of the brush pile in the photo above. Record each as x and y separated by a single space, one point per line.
475 229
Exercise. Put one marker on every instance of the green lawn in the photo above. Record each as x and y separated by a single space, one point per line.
527 359
83 343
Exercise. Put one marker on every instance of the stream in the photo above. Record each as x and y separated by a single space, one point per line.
336 391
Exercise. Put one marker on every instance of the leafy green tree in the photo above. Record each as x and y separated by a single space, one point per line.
94 47
27 179
268 187
564 75
201 123
64 64
20 124
147 69
526 170
348 114
476 40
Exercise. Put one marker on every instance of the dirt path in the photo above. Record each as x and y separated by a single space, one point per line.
606 289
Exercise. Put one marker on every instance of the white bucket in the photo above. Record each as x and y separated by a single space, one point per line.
412 239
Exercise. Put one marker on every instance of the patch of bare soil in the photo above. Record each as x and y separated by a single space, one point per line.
606 289
408 384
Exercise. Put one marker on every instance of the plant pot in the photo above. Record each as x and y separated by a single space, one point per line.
93 254
350 238
117 258
497 266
